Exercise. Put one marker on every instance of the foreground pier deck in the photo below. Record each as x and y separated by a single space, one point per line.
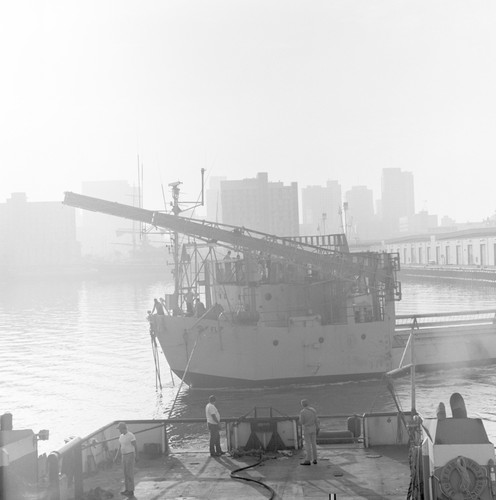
349 471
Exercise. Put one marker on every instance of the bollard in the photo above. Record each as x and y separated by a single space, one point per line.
72 466
6 422
53 476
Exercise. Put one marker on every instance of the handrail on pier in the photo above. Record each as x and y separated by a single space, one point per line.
443 319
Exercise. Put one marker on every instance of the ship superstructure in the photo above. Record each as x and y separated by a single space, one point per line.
277 309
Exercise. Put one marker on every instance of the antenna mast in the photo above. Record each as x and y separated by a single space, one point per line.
176 210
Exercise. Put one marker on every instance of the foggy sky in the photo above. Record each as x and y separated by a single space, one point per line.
304 90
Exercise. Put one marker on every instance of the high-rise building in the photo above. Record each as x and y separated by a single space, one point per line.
269 207
213 200
360 218
423 222
397 199
36 235
105 236
321 209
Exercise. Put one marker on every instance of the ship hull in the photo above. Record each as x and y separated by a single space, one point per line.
449 346
203 381
222 354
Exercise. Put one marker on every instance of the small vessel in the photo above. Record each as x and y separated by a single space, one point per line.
274 310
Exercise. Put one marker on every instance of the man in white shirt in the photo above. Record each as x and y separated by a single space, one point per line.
213 422
129 451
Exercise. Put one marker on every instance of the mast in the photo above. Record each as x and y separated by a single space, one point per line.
175 242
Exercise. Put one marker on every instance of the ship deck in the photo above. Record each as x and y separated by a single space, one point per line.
349 471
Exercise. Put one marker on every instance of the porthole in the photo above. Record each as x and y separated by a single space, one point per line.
268 296
275 342
364 336
321 340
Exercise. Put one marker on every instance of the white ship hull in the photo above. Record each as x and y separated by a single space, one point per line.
222 354
450 345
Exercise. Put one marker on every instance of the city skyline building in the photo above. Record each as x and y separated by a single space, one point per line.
397 199
256 203
213 201
321 206
361 220
36 235
421 222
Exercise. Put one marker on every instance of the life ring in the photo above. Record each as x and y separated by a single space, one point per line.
464 474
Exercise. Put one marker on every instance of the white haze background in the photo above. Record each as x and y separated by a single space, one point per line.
307 91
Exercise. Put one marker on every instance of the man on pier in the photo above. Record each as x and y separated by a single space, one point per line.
213 422
129 452
310 424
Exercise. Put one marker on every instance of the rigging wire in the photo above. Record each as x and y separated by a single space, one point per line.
184 374
223 285
189 359
156 359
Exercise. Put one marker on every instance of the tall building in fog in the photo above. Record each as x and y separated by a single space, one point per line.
360 217
213 200
321 207
269 207
397 199
106 236
36 235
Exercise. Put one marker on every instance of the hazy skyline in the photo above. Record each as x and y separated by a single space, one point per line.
306 91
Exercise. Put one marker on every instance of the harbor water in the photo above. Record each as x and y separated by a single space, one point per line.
76 354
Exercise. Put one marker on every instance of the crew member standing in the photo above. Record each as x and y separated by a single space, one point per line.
189 297
213 422
157 306
199 308
129 452
227 266
310 423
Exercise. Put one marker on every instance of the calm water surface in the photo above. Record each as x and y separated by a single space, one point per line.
76 354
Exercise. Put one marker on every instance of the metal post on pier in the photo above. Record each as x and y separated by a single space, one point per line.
412 360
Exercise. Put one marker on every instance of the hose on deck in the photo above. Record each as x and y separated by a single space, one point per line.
241 478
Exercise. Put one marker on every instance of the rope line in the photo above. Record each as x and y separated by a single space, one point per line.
184 374
189 359
156 359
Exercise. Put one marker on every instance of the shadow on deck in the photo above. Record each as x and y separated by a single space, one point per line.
349 471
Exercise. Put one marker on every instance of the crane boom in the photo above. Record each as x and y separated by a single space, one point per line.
331 262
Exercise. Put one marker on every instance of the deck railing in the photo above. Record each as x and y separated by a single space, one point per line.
405 322
80 458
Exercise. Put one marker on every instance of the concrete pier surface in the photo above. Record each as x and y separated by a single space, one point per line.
348 471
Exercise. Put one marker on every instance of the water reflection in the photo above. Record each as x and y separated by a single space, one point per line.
441 295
